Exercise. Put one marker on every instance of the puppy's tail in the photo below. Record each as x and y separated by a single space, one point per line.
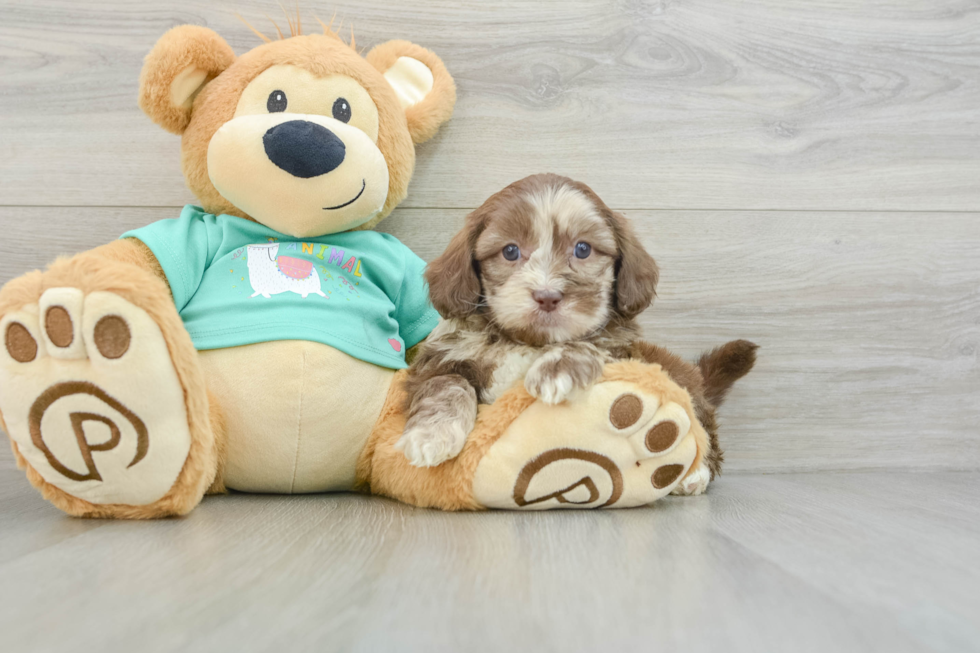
723 366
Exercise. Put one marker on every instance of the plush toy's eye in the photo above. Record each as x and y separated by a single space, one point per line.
276 102
512 252
582 250
341 110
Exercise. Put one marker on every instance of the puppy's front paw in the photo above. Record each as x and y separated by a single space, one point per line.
555 375
549 386
432 443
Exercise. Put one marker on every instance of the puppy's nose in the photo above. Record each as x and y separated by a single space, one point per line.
304 149
547 299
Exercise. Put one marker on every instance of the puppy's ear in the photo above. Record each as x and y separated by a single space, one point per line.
454 285
177 68
424 87
636 271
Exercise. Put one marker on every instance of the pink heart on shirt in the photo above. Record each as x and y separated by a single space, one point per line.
397 346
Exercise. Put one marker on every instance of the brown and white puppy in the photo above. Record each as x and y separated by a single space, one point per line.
543 284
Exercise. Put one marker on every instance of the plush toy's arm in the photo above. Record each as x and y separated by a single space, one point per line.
131 251
94 262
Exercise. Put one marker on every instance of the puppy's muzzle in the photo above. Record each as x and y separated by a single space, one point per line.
304 149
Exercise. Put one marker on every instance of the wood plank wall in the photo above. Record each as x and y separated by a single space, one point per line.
807 175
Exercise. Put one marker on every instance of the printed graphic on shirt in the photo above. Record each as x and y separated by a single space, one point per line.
271 274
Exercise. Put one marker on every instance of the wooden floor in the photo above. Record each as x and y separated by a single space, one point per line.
807 174
874 561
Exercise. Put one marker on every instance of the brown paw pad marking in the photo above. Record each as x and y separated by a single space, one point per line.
666 475
66 389
20 344
112 336
625 411
662 436
57 324
537 465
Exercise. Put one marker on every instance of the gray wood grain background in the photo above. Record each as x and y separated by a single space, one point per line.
807 175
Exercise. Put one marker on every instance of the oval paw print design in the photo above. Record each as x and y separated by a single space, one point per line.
397 346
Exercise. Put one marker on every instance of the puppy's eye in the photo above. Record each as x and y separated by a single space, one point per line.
276 102
341 110
512 252
582 250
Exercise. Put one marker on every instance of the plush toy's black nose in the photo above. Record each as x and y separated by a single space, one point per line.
303 148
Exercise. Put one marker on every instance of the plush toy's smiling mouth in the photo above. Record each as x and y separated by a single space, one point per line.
348 202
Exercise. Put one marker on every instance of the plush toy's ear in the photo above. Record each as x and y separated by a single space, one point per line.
421 82
177 68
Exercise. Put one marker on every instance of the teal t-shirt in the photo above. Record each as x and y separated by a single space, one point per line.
236 282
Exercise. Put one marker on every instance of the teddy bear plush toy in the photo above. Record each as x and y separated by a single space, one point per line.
254 343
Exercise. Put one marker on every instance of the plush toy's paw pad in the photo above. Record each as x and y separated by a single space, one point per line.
694 483
614 445
657 434
433 443
91 397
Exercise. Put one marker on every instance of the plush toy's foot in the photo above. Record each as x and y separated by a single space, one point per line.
617 444
626 441
96 409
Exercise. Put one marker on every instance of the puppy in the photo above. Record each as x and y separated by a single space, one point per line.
544 284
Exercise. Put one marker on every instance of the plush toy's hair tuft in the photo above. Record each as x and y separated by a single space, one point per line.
329 31
276 25
296 28
257 32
